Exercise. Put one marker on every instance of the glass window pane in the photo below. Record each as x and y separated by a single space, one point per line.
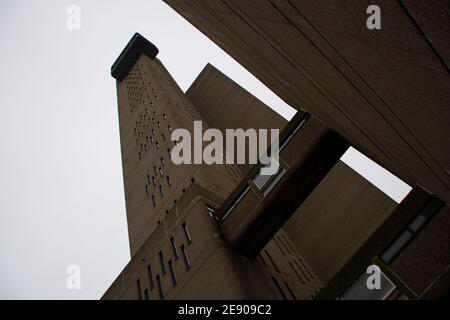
360 291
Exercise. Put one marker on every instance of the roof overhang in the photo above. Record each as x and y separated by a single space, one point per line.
136 46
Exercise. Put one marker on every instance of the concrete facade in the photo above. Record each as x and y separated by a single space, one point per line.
213 232
338 217
177 250
386 91
151 106
225 105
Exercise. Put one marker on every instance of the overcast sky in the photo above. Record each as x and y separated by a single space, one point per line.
61 189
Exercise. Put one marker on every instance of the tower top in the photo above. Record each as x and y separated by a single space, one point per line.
130 54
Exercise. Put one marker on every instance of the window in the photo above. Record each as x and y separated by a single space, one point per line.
265 183
146 190
281 243
154 181
161 172
360 291
150 277
160 290
174 248
303 269
271 261
278 245
153 201
146 294
169 183
186 233
211 212
187 262
161 262
298 275
172 274
288 243
279 288
262 260
290 291
161 192
138 284
163 163
430 209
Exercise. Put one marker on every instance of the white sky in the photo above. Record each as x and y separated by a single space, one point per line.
61 188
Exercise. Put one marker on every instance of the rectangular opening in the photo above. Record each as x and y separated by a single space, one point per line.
360 291
146 296
161 261
278 245
211 212
271 261
186 233
172 273
414 227
150 277
138 285
160 289
265 183
290 291
174 248
296 272
187 262
279 288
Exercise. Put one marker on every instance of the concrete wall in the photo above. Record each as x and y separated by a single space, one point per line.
337 218
151 105
386 91
215 273
427 258
226 105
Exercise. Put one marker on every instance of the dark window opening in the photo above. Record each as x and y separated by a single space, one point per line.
187 262
174 248
160 290
138 284
161 262
150 277
271 261
279 288
186 233
172 274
